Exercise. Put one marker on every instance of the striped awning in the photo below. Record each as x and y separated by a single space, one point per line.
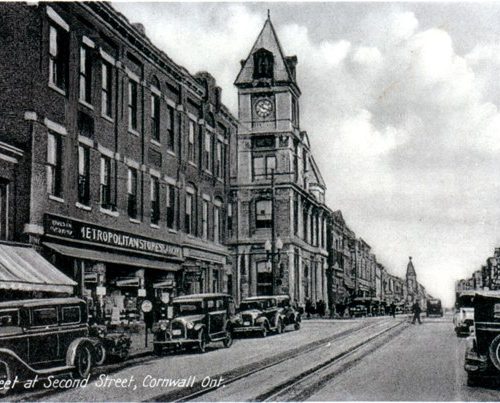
22 268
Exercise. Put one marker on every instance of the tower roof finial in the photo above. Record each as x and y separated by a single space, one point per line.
268 14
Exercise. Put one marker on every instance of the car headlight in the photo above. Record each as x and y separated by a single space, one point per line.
190 325
163 326
100 333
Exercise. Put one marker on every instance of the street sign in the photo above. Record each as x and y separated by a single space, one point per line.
146 306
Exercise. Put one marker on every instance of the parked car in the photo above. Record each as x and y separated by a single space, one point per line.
109 345
482 355
434 307
357 311
264 314
195 320
463 318
42 337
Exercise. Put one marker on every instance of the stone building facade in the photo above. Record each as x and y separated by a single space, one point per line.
114 160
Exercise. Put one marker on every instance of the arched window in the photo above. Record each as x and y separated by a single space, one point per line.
263 61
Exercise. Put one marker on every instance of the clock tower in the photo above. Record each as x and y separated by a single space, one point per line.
278 195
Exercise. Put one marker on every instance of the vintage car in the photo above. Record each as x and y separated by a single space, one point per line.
482 355
434 307
357 311
108 344
463 318
195 320
264 314
42 337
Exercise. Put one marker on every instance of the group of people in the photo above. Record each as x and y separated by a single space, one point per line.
315 308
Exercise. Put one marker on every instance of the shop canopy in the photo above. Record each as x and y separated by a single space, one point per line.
23 269
108 257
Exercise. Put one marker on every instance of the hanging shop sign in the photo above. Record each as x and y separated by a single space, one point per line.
81 231
146 306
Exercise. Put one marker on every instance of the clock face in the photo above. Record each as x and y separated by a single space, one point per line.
263 107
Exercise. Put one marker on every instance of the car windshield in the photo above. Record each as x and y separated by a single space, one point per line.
435 302
188 308
465 301
246 305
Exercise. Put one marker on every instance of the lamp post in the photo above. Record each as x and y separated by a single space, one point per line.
273 250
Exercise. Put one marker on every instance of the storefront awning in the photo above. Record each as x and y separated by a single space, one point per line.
164 284
22 268
101 256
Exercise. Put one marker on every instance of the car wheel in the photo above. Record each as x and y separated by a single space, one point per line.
123 355
6 375
495 352
472 380
158 350
83 362
202 342
296 326
263 330
228 341
99 354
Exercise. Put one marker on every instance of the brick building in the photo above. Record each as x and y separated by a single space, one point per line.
280 242
114 160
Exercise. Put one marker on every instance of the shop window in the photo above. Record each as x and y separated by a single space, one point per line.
106 88
192 129
132 105
58 57
155 201
263 213
85 74
132 192
83 175
155 117
171 206
54 164
171 128
44 317
106 182
4 209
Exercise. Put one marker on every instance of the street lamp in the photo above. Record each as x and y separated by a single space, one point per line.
273 251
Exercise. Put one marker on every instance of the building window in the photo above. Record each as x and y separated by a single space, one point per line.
54 164
204 219
218 160
85 75
263 213
155 201
83 175
171 128
295 213
263 64
217 224
132 192
58 57
106 182
264 166
132 105
106 89
4 209
230 217
192 129
155 117
207 158
170 206
188 218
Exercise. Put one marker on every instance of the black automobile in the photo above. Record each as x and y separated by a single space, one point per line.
482 356
195 320
434 307
108 344
358 311
42 337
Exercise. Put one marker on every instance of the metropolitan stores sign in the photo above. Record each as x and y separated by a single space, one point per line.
80 231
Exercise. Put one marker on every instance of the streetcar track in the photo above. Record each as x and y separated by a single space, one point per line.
245 371
286 388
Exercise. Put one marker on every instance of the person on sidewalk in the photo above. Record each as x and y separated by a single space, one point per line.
416 312
393 309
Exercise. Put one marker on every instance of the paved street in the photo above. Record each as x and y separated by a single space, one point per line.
422 363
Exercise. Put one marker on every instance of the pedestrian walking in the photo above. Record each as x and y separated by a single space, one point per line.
308 308
393 309
416 313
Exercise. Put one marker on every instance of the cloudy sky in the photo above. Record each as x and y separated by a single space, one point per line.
400 101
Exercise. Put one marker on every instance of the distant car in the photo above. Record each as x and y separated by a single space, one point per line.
434 307
357 311
463 318
194 321
482 355
42 337
264 314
